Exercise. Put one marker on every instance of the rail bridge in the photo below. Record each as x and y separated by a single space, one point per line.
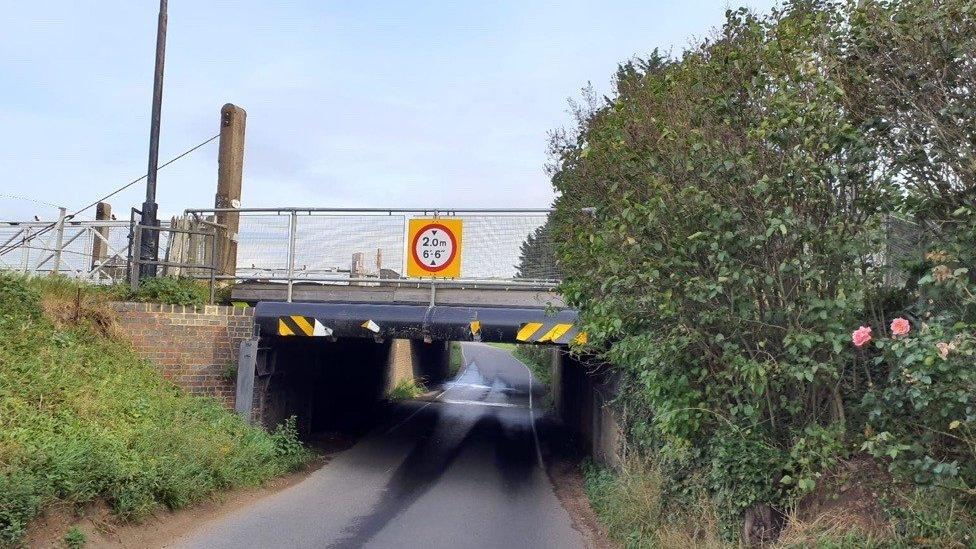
326 272
341 315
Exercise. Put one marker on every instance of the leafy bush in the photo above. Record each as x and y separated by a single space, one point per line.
722 221
82 417
922 411
172 291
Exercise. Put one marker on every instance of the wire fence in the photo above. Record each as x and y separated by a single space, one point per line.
510 248
96 250
342 245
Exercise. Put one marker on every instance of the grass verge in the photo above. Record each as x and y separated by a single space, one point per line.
861 509
539 360
631 506
83 417
456 360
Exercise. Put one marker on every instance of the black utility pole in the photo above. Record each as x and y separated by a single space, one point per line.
149 248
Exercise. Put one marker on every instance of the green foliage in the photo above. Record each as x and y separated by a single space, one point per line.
743 462
934 518
82 417
289 450
74 538
456 360
407 389
815 450
172 291
721 223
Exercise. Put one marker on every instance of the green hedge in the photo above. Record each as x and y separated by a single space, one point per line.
723 223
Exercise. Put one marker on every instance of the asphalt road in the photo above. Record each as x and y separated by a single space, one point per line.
463 469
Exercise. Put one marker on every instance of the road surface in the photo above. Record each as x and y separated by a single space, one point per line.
460 470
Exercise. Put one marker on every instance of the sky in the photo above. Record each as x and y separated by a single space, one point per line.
349 104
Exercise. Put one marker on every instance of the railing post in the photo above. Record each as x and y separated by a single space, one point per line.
292 232
59 242
213 266
134 263
99 247
25 259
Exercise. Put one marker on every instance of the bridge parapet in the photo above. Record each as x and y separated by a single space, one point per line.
370 247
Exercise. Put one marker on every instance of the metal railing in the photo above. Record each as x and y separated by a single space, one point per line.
94 250
368 246
102 251
507 248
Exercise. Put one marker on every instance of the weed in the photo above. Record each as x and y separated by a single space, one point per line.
229 372
631 504
74 538
456 360
407 389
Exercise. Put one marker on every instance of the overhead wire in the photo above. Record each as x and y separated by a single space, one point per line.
51 226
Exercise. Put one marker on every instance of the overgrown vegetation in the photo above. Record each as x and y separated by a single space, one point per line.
82 417
456 358
170 291
634 511
407 389
732 215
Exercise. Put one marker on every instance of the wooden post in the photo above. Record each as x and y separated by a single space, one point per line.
208 250
230 172
99 250
176 251
59 242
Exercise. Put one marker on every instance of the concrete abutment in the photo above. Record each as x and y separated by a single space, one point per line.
584 393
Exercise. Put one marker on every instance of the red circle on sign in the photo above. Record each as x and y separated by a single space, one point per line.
454 247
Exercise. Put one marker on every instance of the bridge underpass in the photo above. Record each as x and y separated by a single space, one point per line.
329 364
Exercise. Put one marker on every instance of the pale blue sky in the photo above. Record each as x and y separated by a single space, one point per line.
400 104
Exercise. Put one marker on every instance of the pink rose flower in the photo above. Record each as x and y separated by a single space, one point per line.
861 336
900 326
943 348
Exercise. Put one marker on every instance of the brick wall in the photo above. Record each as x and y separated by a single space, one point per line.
193 346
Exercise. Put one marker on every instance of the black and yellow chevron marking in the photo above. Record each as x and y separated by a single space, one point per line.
543 332
296 325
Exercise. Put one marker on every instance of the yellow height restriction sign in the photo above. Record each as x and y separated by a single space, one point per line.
434 248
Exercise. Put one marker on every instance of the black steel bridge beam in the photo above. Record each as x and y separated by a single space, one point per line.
438 322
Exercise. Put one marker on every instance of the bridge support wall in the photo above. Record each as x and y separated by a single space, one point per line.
583 398
194 347
415 360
